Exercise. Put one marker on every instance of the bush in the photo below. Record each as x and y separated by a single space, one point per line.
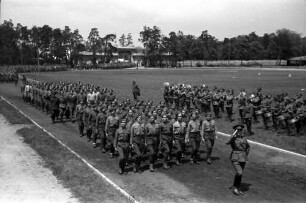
198 64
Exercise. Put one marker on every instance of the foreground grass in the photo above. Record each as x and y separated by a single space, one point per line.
66 167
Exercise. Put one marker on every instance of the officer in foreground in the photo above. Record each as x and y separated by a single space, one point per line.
239 155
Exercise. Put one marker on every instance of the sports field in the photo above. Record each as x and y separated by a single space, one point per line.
151 84
270 175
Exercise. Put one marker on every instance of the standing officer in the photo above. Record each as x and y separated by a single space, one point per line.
208 132
152 133
193 136
179 131
121 144
137 142
239 155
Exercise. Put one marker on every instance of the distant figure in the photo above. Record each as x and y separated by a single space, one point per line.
135 91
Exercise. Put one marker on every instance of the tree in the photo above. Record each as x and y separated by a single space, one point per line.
8 47
122 40
109 49
129 39
94 43
151 39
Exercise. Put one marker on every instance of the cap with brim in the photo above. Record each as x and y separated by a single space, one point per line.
238 127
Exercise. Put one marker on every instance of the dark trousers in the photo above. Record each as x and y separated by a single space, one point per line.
123 151
152 150
209 142
248 122
239 167
195 141
166 147
180 145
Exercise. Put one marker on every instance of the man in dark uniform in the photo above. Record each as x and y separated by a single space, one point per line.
240 151
121 144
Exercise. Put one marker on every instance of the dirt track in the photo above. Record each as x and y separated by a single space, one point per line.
270 176
23 177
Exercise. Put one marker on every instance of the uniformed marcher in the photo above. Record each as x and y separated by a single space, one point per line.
79 117
179 131
54 106
137 142
152 136
208 132
111 126
100 126
239 155
122 144
194 137
166 138
86 120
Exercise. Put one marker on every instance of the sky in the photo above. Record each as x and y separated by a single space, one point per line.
222 18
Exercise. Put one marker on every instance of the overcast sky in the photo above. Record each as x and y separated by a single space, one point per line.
222 18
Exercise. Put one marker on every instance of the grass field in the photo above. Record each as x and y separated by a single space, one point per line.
270 175
151 85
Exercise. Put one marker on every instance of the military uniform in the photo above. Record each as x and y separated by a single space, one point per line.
194 137
121 143
209 133
179 131
152 135
166 141
138 143
240 150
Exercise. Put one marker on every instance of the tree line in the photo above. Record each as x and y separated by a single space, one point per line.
46 45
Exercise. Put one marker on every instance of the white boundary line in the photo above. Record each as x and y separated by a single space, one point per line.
130 197
267 146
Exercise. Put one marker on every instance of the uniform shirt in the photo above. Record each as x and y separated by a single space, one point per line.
79 111
112 123
240 148
101 121
249 110
229 100
208 128
166 131
122 137
137 132
179 129
93 118
152 131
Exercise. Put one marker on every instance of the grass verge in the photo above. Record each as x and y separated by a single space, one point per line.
65 166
